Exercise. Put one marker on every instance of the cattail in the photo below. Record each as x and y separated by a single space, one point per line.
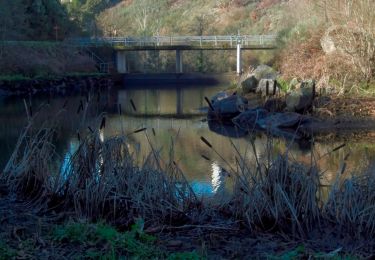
338 147
119 109
209 103
80 106
204 140
140 130
102 125
98 97
133 105
205 157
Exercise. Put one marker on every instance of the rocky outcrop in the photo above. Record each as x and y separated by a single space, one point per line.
285 124
250 84
301 99
248 120
264 72
219 96
268 87
227 108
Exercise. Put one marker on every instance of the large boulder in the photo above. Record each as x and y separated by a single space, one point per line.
248 85
219 96
301 99
248 120
227 108
264 72
268 87
280 120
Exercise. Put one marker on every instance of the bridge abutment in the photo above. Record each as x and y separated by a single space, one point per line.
121 64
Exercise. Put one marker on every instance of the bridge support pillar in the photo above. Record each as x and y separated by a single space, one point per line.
121 62
239 59
178 61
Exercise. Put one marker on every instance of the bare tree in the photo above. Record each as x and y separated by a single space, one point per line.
353 30
147 15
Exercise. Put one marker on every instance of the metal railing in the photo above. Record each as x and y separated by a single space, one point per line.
199 41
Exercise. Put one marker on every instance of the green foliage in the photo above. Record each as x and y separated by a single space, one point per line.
14 77
33 19
284 85
84 13
6 252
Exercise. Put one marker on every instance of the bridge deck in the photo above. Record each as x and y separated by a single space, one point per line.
181 42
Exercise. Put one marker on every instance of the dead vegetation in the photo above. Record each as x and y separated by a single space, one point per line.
279 198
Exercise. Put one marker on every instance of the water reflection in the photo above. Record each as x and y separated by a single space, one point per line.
175 117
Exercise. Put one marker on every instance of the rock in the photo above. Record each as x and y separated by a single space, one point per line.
227 108
293 84
327 43
250 84
272 85
219 96
280 120
275 104
264 72
248 120
301 99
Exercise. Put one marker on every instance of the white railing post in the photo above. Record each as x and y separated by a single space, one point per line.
238 57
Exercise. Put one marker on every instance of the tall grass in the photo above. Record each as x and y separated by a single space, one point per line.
104 182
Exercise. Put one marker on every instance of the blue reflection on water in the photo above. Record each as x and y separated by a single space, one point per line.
202 188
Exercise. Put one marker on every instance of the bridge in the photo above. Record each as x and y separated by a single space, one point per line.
179 43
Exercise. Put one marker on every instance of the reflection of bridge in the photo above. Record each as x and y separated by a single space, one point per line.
178 44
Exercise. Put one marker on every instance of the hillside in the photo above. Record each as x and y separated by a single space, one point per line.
179 17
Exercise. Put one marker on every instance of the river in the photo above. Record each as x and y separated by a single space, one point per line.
174 117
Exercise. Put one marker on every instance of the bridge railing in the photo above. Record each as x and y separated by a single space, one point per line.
218 40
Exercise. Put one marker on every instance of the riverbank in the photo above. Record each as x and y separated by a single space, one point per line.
59 84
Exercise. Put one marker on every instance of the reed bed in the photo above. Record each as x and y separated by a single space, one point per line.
103 181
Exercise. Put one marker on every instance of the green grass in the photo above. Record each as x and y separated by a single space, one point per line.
15 77
101 241
6 252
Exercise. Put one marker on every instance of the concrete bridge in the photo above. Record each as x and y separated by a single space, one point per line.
179 44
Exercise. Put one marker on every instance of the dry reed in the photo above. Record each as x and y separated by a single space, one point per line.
104 181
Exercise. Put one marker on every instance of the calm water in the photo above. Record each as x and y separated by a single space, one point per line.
177 117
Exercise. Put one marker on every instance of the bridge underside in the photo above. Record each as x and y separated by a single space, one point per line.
121 56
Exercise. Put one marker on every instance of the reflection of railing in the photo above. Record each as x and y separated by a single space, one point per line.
218 41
